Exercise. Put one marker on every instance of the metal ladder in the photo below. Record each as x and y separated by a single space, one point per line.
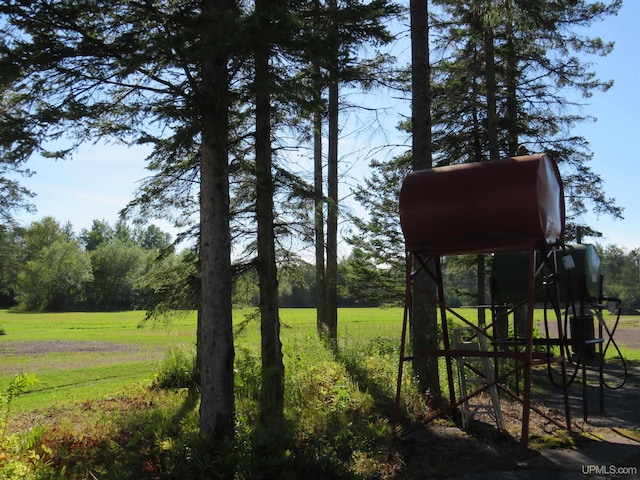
473 374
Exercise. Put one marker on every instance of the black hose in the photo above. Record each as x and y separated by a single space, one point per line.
615 345
562 338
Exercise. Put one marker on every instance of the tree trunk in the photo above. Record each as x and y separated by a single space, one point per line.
482 294
331 313
321 306
318 192
272 393
424 320
493 142
491 88
215 332
332 193
477 130
511 82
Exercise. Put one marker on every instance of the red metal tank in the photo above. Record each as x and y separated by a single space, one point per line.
488 206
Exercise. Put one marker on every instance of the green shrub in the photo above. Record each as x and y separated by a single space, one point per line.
247 374
177 370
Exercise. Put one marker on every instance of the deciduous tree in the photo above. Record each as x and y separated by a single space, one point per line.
55 280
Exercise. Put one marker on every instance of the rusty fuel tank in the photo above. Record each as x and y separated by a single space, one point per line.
491 206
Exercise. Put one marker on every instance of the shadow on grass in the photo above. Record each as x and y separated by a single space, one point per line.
436 449
257 452
367 383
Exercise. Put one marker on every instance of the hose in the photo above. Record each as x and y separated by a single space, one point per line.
571 305
611 341
561 337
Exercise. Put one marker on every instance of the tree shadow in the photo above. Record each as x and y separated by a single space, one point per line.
613 406
437 448
367 383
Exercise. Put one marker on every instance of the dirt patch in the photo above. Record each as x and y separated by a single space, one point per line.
628 337
32 348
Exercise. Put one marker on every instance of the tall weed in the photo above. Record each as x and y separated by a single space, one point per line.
18 386
179 369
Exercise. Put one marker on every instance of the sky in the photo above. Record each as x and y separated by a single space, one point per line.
617 129
102 179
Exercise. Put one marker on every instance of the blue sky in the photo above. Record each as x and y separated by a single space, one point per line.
617 129
96 184
101 179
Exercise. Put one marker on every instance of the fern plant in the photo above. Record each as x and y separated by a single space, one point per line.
18 386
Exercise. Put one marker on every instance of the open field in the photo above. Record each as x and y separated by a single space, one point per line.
92 410
81 355
77 356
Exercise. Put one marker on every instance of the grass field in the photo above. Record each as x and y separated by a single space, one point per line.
77 356
81 355
92 409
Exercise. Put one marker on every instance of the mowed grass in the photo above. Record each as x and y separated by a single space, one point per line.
79 356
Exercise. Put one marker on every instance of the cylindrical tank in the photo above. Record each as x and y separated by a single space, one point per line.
580 276
483 207
584 277
582 328
509 277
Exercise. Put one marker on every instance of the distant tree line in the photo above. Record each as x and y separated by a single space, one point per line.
46 266
621 273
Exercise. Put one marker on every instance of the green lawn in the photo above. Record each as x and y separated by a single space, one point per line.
78 355
91 410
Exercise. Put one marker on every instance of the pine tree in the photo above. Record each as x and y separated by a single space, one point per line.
377 263
88 70
534 58
341 30
423 317
272 391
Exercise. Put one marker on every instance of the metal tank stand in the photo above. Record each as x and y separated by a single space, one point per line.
474 372
520 350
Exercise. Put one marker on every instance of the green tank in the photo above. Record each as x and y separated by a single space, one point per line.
585 275
509 282
577 265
